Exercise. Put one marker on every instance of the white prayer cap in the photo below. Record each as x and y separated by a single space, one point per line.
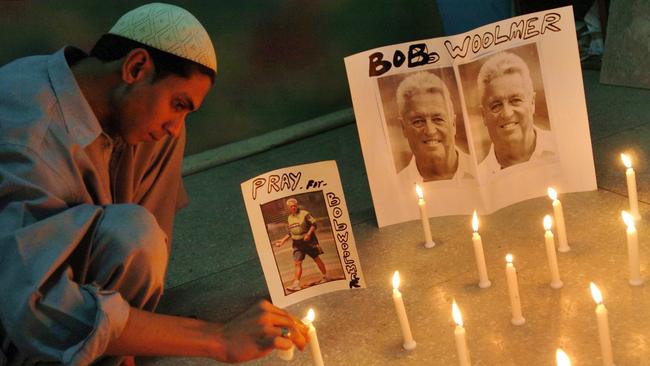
168 28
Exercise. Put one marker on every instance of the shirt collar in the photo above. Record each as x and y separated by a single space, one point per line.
543 145
81 122
463 170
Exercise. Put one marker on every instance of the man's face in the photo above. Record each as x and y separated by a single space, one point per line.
293 208
508 108
148 111
428 127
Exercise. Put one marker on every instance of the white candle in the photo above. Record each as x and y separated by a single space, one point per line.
409 342
513 291
561 358
459 335
286 354
484 282
559 221
428 240
549 243
603 326
632 250
631 186
316 355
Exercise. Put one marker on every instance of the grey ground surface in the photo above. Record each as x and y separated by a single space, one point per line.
214 272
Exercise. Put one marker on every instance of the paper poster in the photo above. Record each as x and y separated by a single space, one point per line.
302 232
479 120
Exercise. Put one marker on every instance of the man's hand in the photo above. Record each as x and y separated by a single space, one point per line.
251 335
281 242
258 331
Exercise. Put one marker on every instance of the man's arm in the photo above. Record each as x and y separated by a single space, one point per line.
251 335
48 314
311 230
281 242
312 226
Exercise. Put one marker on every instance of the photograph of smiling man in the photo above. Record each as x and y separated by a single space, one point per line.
428 134
505 99
479 120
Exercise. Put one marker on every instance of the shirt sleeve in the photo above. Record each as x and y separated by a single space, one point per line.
309 219
45 310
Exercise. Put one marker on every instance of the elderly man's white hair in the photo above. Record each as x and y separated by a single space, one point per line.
292 201
421 83
503 63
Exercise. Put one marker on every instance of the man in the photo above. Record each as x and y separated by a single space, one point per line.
302 227
90 178
507 98
428 121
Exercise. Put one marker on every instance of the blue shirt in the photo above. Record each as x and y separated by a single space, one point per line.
57 171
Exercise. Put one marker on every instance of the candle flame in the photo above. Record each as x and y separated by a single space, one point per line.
552 193
626 160
310 315
418 190
561 358
396 280
475 221
548 222
628 219
509 258
595 293
455 312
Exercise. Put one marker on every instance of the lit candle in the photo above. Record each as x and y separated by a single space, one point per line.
459 334
559 221
632 250
409 342
561 358
428 241
603 326
631 186
316 356
484 282
549 243
513 291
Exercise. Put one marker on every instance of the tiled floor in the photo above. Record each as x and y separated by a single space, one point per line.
214 272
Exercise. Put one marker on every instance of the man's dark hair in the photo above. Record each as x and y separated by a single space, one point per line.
111 47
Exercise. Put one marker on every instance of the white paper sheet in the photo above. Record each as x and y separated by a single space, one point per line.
559 153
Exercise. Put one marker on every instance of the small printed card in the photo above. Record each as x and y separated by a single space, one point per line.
302 232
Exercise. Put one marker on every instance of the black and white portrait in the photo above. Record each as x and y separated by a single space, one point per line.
506 103
425 125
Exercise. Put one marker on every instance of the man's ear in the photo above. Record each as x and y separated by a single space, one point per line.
532 102
453 122
136 65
